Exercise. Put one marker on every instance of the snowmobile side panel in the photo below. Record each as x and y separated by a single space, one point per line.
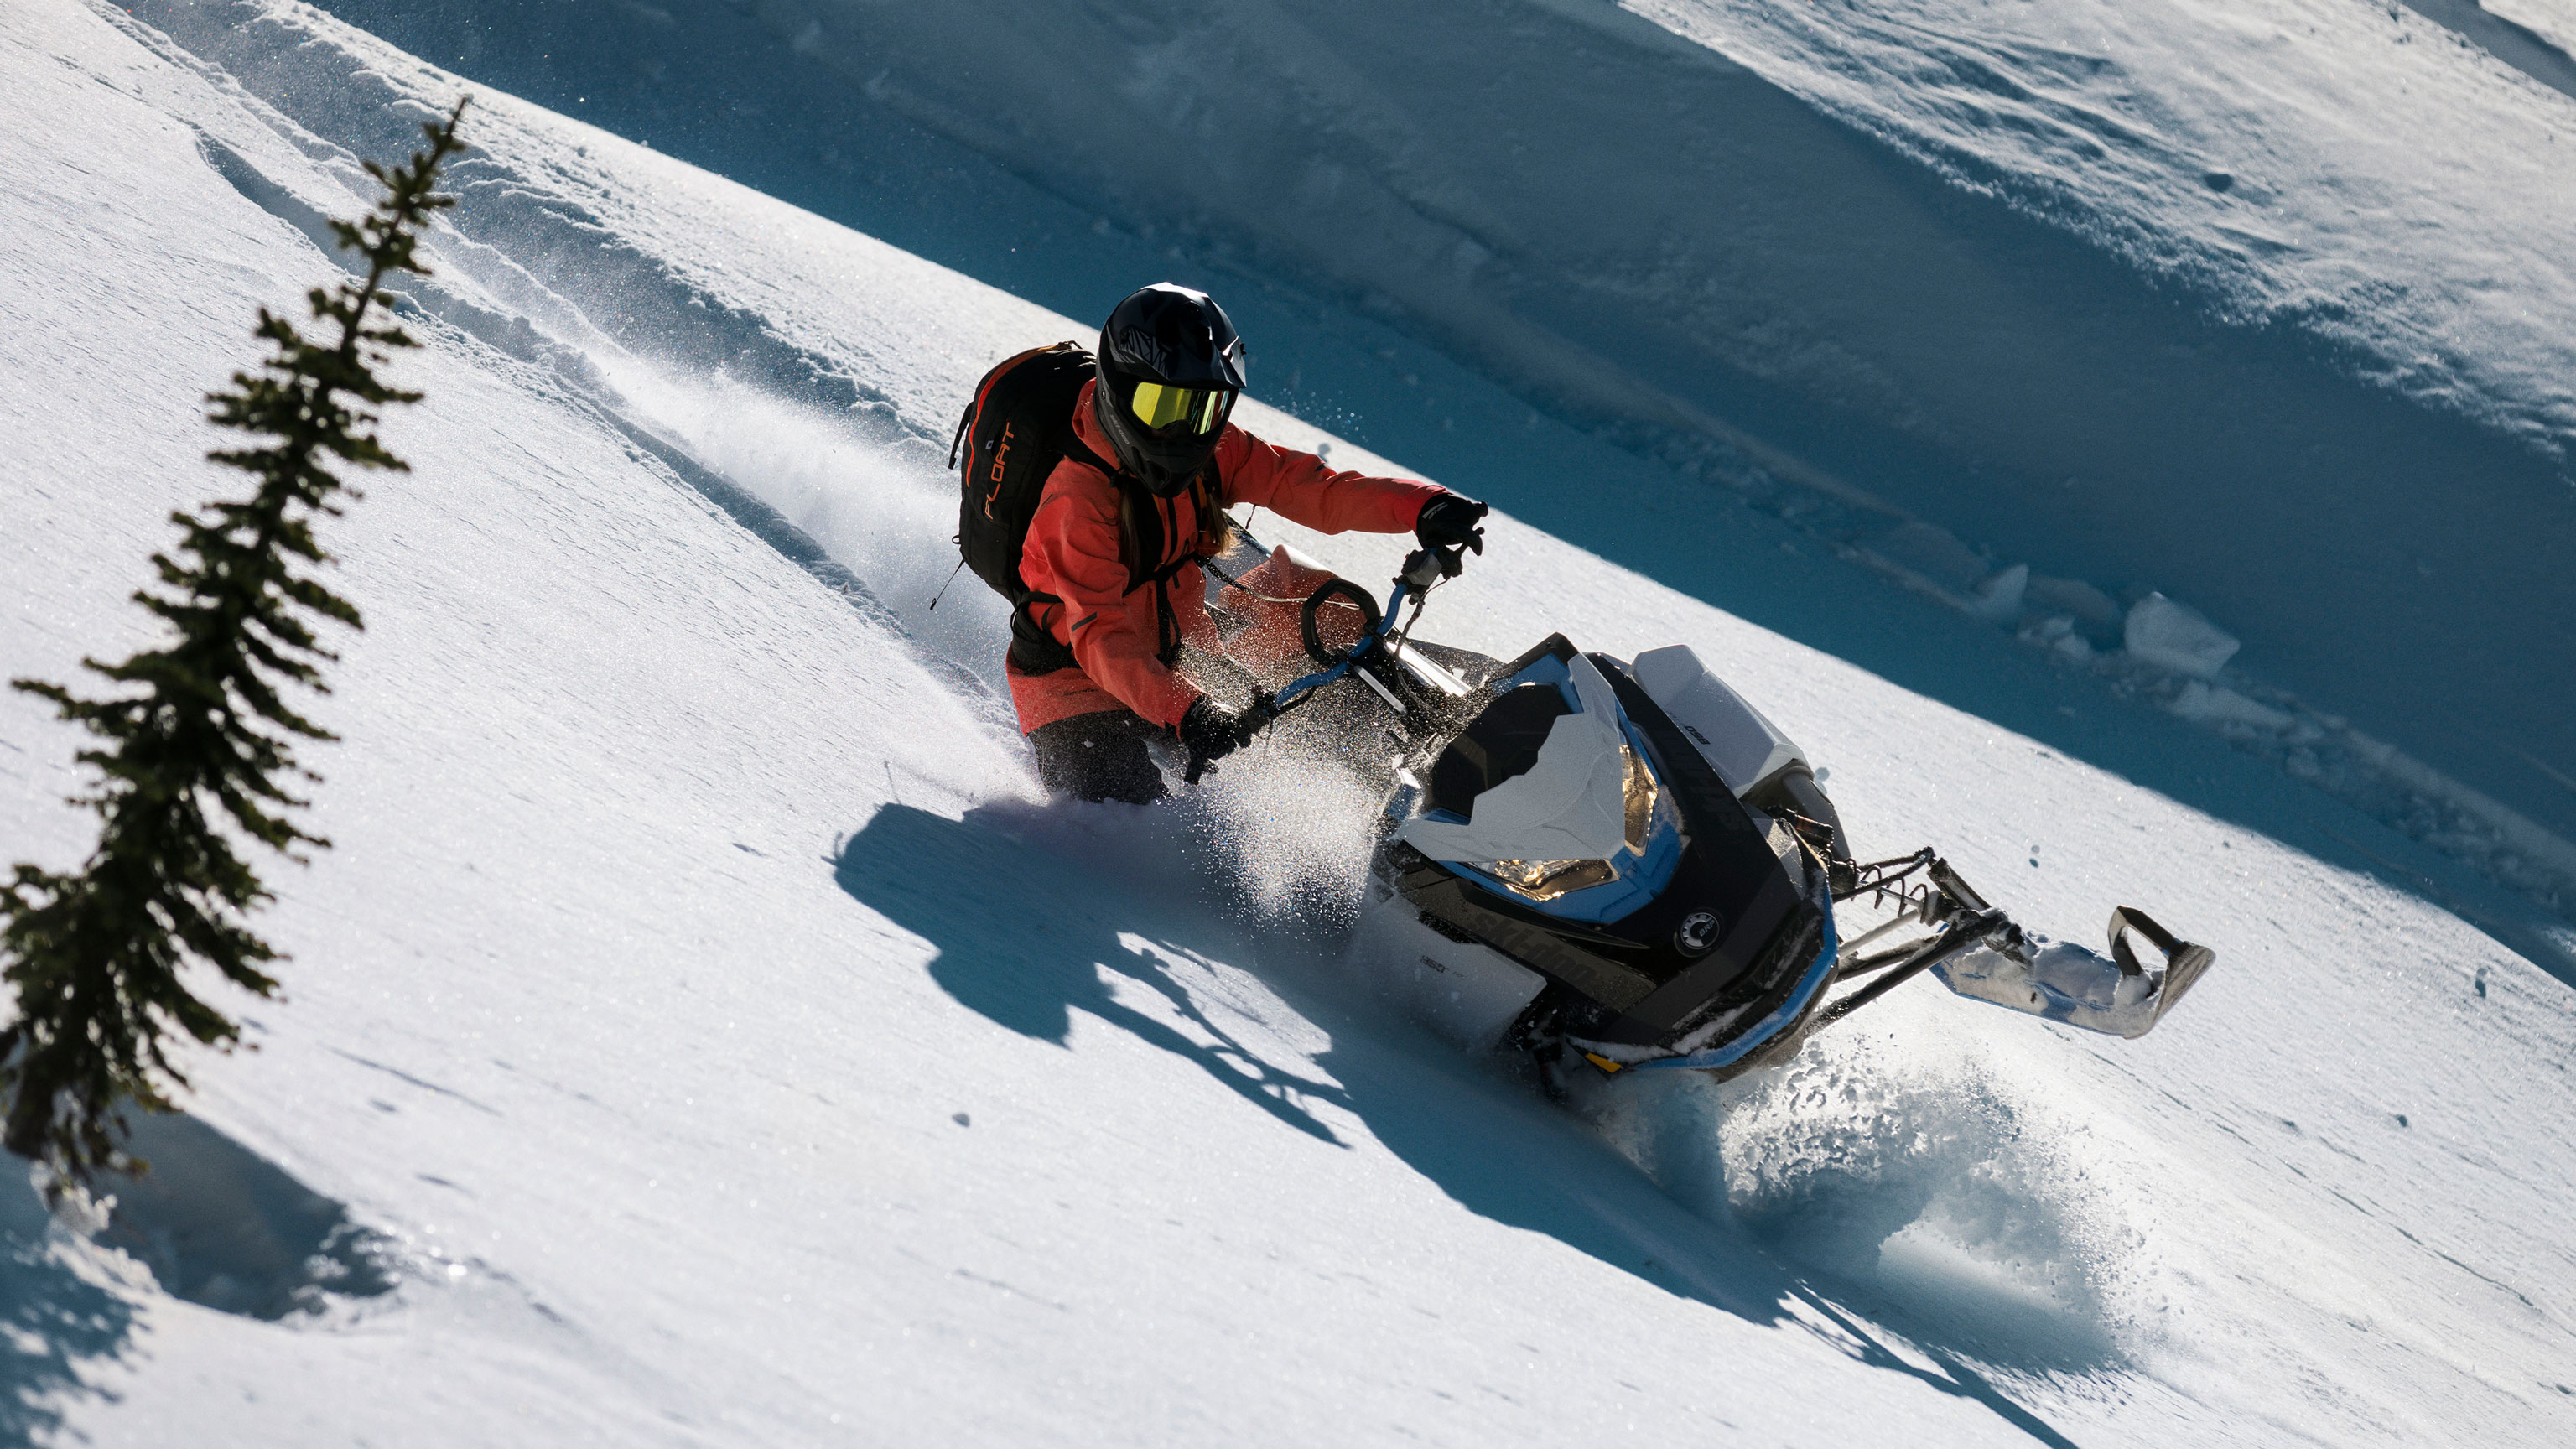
1747 749
1782 1020
1465 991
1612 983
1706 980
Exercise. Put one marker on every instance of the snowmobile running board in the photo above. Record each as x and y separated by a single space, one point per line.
1977 952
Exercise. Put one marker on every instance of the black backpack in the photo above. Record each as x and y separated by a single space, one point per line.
1014 432
1017 428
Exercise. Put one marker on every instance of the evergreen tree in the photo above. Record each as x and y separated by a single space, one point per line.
195 754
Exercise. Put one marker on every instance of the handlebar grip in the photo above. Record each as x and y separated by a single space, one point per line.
1313 638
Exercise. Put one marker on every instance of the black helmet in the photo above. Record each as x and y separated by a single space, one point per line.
1170 366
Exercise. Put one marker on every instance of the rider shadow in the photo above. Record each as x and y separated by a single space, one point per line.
1029 963
1485 1140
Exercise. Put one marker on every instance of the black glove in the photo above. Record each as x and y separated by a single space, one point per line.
1449 521
1210 731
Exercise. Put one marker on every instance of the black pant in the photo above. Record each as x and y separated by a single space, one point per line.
1099 757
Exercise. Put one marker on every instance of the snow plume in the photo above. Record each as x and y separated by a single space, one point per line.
1290 832
1278 832
1956 1194
1964 1203
877 497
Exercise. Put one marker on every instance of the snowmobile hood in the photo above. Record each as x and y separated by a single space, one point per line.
1571 805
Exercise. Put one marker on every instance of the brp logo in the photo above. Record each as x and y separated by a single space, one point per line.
1697 933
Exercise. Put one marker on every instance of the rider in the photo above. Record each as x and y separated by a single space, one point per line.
1113 561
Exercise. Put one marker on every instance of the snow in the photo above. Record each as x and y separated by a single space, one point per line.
710 1038
2175 636
2553 21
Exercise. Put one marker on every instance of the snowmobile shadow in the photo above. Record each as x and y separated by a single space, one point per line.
52 1319
1053 952
1484 1137
1497 1149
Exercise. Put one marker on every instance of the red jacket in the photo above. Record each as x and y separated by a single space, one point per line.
1115 623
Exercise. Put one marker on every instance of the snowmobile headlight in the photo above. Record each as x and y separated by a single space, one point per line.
1642 797
1545 880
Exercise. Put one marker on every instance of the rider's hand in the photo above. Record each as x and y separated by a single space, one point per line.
1449 521
1210 731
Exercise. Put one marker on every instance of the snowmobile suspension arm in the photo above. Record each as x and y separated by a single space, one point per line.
1963 934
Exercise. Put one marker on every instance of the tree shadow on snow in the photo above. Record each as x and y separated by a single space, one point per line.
1045 937
225 1228
214 1223
55 1320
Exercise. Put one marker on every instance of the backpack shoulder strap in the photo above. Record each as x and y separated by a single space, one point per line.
1080 452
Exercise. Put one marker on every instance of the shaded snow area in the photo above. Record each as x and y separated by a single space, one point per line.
2032 308
703 1033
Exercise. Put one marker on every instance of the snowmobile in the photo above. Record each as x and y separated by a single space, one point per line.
1621 864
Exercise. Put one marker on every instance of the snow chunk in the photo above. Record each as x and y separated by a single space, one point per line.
2218 705
2075 598
1933 552
2057 632
2176 636
1998 599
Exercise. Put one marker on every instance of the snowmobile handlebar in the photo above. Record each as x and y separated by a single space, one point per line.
1423 568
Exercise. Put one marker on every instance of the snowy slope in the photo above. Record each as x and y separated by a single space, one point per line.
724 1046
2263 307
1951 289
2360 169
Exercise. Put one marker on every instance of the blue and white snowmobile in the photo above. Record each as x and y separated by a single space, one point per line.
1623 863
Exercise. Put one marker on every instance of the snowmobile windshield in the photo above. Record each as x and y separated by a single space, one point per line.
1197 410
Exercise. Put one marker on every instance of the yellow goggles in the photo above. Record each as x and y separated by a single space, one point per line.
1159 405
